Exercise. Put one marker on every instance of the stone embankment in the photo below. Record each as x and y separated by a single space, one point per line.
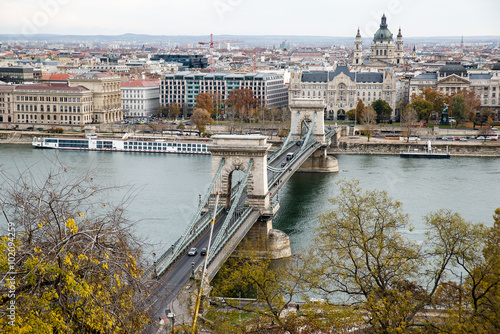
379 146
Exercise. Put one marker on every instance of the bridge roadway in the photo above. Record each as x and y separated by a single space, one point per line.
163 292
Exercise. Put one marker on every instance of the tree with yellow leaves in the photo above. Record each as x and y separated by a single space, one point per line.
68 260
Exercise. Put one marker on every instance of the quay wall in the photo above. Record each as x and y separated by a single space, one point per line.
483 149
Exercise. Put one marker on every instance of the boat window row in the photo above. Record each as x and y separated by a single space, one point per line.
179 147
72 143
107 144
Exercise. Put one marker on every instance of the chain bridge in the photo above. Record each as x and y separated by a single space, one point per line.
237 216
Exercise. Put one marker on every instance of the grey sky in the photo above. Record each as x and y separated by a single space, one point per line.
251 17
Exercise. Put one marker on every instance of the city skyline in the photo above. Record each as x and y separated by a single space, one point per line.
256 17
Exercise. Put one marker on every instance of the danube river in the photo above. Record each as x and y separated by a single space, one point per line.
166 187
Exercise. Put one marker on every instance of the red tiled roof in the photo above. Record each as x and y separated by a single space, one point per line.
56 77
141 83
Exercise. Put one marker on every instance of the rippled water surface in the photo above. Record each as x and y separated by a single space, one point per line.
167 187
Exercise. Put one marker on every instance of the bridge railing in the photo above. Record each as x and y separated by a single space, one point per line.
231 246
219 240
161 266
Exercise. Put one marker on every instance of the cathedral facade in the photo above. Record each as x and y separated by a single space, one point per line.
384 51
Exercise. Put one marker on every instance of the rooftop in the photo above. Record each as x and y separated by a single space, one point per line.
51 87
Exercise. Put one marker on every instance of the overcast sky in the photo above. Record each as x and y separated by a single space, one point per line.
417 18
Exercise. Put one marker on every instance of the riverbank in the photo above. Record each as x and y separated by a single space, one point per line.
380 146
347 145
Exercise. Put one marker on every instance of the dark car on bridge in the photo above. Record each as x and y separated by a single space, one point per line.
203 251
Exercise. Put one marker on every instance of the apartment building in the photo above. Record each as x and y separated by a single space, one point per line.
183 87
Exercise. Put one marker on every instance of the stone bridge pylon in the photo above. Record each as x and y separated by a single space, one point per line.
303 112
237 151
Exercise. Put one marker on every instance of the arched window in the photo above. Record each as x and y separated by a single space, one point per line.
385 52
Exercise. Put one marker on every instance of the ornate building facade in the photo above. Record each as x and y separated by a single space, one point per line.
107 94
384 51
342 89
454 77
51 104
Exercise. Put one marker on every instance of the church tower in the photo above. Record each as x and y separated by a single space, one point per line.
399 54
383 48
358 50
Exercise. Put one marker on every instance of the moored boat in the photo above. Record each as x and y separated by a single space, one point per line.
129 143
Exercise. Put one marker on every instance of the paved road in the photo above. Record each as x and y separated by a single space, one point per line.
165 290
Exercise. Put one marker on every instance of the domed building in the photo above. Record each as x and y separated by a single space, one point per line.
384 51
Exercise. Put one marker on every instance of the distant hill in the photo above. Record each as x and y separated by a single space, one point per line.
249 40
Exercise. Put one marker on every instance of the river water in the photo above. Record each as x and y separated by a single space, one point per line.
166 187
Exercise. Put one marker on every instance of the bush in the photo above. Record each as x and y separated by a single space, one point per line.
56 130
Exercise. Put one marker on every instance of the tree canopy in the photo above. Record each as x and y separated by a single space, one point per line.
383 110
201 118
74 263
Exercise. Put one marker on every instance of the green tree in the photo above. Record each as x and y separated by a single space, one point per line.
76 266
350 114
423 108
271 289
458 108
383 110
252 276
361 253
435 97
201 118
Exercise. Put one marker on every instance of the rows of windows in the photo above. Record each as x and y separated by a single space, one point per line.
73 143
48 117
180 147
51 98
48 108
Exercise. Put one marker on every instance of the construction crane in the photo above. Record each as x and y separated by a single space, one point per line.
212 43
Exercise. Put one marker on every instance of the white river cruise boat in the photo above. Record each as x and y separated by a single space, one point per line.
129 143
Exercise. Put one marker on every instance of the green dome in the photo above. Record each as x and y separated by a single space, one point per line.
496 67
383 34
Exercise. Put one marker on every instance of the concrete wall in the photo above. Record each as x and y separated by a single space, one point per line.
488 149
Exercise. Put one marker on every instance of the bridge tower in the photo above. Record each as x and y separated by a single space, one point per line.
237 151
303 112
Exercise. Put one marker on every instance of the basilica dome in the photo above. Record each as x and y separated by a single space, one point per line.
383 33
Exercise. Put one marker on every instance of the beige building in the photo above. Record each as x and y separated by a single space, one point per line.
106 89
51 104
342 89
453 77
6 103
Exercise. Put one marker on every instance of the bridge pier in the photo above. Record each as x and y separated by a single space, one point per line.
263 240
320 162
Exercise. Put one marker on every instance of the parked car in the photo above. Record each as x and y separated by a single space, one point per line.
193 251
